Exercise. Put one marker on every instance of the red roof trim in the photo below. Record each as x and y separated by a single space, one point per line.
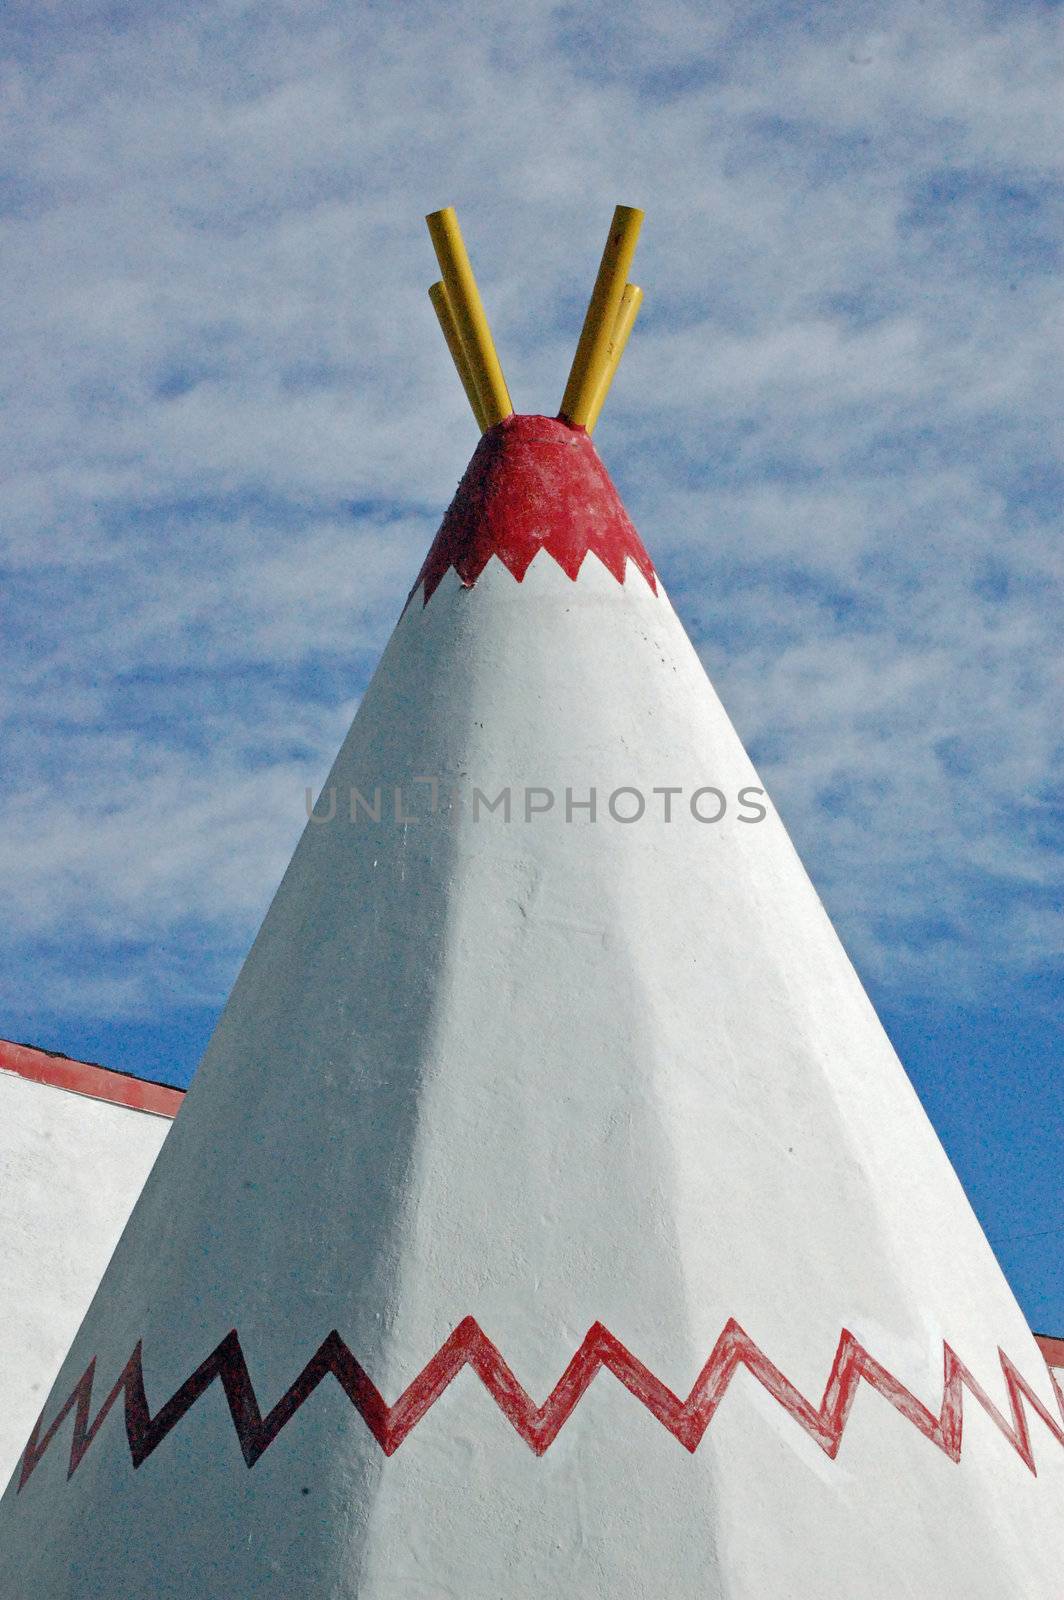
1052 1349
82 1077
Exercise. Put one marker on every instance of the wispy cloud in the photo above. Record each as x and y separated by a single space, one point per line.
231 426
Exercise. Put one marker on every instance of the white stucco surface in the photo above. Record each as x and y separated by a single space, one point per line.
547 1074
70 1170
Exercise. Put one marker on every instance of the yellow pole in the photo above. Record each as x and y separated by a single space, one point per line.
631 300
589 362
472 324
444 311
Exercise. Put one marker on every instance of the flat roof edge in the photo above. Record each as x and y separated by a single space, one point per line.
85 1078
1052 1348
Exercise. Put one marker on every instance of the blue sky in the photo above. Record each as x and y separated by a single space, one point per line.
231 428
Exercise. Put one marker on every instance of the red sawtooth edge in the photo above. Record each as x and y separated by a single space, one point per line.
534 483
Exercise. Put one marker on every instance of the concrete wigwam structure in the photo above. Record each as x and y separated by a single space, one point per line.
550 1215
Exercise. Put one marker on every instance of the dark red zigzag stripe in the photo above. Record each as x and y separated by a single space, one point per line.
539 1426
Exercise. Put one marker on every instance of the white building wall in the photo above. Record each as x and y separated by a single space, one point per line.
70 1169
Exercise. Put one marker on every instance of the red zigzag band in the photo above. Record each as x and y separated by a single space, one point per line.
687 1420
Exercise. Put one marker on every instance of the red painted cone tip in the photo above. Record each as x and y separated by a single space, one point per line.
534 483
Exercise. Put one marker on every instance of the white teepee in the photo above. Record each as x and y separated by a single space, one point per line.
547 1104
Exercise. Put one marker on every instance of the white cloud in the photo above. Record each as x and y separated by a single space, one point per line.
837 427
